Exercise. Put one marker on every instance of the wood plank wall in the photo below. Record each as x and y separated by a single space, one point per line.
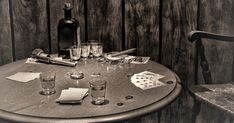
158 28
179 18
142 27
30 26
104 23
6 55
217 16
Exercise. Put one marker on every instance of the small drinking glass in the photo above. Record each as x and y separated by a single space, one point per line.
47 83
97 49
98 91
75 53
85 50
94 48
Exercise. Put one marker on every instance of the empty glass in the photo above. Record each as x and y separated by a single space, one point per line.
97 49
75 53
85 50
47 82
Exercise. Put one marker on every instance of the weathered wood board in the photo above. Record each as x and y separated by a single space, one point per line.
5 33
178 19
142 27
30 26
104 23
217 16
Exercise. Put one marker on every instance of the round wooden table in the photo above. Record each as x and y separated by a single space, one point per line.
21 102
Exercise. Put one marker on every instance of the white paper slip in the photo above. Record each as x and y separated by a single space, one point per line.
24 76
32 61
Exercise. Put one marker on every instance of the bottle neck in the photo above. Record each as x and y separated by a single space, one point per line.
67 14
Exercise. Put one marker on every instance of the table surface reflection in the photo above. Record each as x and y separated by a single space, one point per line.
22 101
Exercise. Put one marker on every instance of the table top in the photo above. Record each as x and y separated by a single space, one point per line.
216 95
22 101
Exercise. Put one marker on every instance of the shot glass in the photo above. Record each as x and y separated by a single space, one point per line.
75 53
97 49
47 83
98 91
85 50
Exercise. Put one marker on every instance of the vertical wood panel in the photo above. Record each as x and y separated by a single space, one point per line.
179 18
57 13
5 33
217 16
142 27
30 26
104 23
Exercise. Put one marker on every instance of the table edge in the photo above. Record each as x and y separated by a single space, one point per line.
14 117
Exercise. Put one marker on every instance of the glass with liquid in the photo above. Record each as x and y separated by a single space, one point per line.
47 83
98 91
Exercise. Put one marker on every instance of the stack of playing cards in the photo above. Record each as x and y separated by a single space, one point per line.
72 95
146 80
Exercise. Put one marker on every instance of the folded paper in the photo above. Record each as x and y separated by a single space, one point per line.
24 76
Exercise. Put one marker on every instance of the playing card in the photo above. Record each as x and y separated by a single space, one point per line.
151 84
143 82
151 74
137 77
140 60
146 80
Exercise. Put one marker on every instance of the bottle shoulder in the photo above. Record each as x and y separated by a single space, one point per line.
72 21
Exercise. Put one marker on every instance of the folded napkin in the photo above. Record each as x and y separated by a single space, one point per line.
24 76
72 95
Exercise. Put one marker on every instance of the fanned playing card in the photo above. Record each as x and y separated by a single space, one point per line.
146 80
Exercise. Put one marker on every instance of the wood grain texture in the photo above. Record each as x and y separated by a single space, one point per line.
30 26
57 13
218 17
5 34
25 99
104 23
142 27
178 19
218 96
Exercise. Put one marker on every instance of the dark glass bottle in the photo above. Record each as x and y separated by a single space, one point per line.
68 30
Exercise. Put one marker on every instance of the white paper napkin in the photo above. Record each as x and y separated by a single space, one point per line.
24 76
